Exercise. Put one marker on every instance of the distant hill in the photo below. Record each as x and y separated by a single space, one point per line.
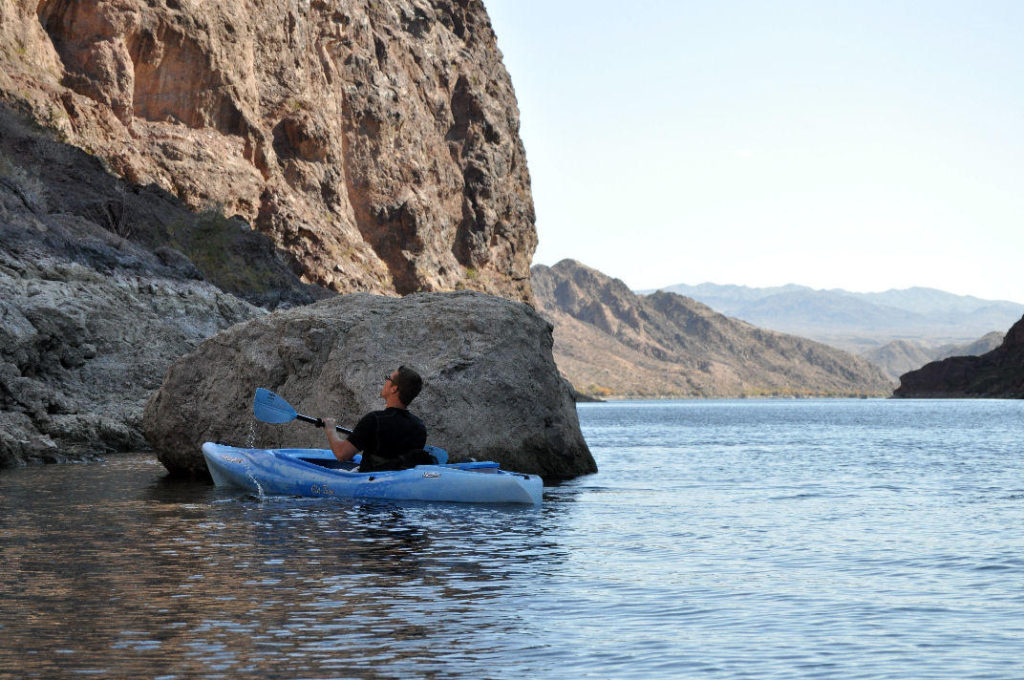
860 322
998 374
901 356
611 341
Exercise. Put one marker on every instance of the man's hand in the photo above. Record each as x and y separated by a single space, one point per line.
342 448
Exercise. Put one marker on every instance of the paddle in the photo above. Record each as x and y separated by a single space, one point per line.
270 408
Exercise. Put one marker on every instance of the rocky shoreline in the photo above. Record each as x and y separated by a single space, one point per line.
92 320
98 298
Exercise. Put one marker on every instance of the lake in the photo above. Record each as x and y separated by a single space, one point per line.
721 539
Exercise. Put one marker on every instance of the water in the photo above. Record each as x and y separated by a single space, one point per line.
745 539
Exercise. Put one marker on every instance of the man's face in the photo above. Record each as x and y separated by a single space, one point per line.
389 385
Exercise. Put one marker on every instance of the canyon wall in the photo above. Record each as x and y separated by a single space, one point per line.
375 142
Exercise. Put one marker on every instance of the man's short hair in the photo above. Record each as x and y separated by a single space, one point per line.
409 384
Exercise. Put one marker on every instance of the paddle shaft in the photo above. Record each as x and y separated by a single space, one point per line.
320 423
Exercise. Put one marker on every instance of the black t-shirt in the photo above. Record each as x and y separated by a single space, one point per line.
385 436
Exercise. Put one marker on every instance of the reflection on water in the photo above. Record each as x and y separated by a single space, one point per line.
113 571
804 539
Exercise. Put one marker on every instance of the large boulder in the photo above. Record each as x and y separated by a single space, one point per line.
491 388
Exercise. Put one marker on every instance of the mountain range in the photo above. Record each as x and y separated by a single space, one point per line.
610 341
860 322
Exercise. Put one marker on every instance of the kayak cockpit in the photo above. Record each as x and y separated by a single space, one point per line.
331 464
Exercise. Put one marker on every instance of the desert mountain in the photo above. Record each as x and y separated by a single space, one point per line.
901 356
998 374
859 322
611 341
375 143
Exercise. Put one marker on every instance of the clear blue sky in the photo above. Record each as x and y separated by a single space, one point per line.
860 144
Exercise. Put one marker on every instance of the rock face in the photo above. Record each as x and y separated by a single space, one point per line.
999 373
97 296
375 141
610 341
491 392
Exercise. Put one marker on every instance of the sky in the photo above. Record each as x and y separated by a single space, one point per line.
856 144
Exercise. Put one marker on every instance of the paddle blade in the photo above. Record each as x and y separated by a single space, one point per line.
270 408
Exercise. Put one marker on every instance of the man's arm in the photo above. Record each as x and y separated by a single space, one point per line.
343 449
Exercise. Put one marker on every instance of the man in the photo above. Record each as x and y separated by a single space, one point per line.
392 439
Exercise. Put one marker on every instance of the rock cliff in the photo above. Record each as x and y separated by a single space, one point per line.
491 388
102 285
375 142
999 373
610 341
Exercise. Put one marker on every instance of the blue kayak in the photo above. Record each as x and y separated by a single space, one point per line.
316 472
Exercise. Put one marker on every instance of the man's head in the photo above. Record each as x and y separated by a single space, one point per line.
402 384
